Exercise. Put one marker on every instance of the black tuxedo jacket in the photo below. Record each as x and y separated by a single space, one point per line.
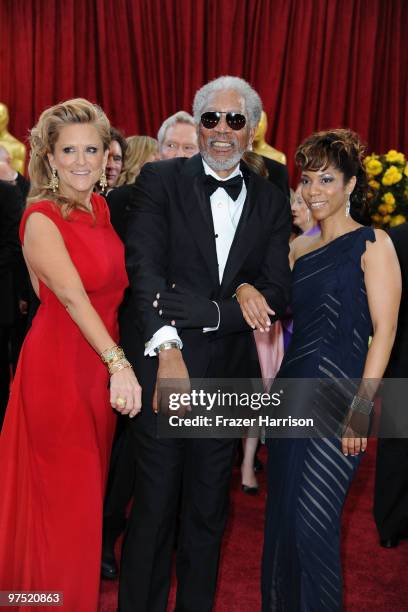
170 239
118 197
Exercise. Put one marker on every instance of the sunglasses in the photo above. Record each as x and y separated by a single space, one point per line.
235 121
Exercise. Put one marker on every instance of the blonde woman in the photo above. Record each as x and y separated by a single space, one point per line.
140 150
59 423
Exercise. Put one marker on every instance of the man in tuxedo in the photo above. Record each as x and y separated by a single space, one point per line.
391 479
206 225
177 137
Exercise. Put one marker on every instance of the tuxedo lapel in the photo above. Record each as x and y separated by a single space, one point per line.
245 234
197 209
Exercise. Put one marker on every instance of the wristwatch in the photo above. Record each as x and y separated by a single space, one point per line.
166 346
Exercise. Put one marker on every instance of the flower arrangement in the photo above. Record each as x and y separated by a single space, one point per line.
388 179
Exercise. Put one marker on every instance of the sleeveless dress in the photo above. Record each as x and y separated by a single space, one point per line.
57 435
308 478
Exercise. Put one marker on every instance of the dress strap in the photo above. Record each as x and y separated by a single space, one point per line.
359 244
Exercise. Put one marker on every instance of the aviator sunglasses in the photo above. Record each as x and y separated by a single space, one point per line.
235 121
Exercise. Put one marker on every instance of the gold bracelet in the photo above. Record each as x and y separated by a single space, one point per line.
118 365
113 354
115 359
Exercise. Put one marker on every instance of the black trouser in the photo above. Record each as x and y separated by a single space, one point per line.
202 468
120 485
391 487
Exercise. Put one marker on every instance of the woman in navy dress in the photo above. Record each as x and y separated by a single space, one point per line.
346 288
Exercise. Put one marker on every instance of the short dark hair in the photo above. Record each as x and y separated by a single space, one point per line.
341 148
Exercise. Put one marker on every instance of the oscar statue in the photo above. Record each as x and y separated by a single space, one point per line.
261 147
15 148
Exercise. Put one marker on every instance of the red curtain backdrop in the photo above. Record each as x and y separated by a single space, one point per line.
315 63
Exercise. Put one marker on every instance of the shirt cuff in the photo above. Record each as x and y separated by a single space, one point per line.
167 333
208 329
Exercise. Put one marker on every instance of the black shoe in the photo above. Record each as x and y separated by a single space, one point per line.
389 542
258 465
109 567
250 490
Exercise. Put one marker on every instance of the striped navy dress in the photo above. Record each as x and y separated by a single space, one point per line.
308 479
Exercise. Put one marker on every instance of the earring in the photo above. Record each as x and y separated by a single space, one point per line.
54 182
308 216
348 206
103 183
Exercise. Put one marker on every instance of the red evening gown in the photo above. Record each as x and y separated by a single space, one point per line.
57 434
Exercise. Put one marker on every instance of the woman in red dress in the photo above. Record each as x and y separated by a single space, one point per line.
57 435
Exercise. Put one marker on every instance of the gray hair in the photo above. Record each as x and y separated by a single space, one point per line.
179 117
253 104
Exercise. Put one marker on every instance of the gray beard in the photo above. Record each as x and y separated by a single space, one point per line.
222 164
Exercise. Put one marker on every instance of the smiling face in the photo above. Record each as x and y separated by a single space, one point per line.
79 159
114 164
222 147
326 192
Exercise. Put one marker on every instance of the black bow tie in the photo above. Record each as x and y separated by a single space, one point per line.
232 186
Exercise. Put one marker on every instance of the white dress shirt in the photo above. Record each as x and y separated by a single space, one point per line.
226 214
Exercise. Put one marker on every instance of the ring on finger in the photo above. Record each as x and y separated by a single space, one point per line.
121 402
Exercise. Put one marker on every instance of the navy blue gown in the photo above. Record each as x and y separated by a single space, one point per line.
308 478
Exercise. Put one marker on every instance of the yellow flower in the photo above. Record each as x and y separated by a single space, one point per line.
374 184
391 176
406 170
397 220
391 207
374 167
387 219
383 209
388 198
368 158
394 157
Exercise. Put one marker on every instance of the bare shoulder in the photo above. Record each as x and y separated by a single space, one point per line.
383 243
382 237
39 226
380 251
40 219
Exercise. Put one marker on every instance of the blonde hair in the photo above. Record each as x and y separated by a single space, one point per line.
45 134
139 149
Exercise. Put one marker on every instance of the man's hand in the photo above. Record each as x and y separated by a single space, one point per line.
255 308
172 377
186 310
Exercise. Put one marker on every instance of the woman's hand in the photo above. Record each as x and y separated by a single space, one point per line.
125 392
354 439
353 446
254 307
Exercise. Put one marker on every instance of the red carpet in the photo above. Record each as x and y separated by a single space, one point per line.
375 578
